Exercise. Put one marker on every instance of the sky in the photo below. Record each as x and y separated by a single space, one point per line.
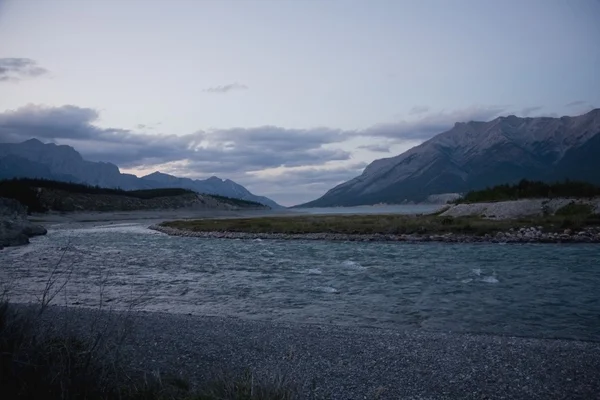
288 98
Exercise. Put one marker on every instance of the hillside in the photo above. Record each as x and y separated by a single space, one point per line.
34 159
44 195
475 155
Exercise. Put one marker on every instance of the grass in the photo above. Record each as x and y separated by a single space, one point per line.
40 362
381 224
43 359
575 209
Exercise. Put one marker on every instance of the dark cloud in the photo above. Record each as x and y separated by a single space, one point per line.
379 148
576 103
430 124
214 152
527 111
226 88
219 151
16 69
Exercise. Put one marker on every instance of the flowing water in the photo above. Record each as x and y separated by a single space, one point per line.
536 290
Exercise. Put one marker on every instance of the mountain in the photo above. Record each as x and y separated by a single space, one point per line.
13 166
212 185
475 155
34 159
63 163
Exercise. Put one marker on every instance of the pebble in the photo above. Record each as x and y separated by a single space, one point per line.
522 235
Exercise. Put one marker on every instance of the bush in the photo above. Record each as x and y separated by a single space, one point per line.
575 209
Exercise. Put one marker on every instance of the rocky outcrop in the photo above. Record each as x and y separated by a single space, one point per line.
475 155
15 228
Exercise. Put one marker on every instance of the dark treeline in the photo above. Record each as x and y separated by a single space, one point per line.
24 191
532 189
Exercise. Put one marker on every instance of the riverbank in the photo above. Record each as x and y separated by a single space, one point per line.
336 362
513 209
15 228
393 228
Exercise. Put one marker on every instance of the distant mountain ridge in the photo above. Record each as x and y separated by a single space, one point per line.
212 185
475 155
34 159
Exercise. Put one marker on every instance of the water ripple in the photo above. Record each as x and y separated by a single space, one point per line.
533 290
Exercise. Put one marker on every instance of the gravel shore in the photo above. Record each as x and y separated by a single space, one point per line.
517 208
522 235
335 362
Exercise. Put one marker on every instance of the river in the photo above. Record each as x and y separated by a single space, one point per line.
532 290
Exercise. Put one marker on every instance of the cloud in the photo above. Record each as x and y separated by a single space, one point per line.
576 103
16 69
293 164
378 148
226 88
208 152
527 111
430 124
147 127
418 110
298 185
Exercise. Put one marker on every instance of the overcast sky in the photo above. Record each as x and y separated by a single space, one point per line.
288 98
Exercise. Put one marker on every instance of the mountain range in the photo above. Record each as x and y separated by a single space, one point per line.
34 159
475 155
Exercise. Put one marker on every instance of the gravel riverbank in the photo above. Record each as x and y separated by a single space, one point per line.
335 362
518 208
522 235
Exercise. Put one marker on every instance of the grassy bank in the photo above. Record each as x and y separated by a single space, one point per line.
384 224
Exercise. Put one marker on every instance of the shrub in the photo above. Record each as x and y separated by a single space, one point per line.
575 209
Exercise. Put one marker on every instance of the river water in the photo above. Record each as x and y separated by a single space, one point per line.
536 290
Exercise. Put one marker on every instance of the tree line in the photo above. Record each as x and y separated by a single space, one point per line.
527 189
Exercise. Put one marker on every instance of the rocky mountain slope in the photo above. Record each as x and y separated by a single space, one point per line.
475 155
15 228
34 159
